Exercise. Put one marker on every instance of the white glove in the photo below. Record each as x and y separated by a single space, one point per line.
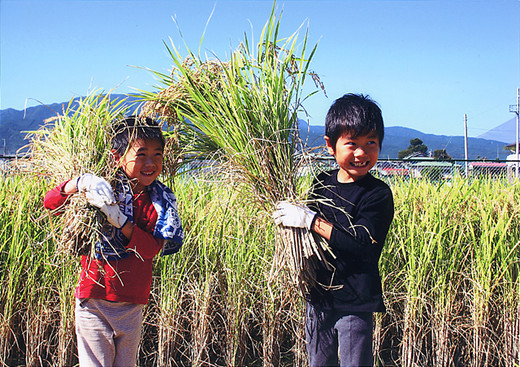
114 215
292 215
97 190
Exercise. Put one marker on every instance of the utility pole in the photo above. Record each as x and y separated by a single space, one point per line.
514 108
466 143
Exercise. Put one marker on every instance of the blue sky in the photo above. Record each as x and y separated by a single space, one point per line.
427 63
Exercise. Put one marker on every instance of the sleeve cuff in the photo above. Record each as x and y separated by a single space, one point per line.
62 188
313 221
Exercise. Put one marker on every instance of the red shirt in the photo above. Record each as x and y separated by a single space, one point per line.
123 280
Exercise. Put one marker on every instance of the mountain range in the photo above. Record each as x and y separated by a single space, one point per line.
14 125
398 138
502 132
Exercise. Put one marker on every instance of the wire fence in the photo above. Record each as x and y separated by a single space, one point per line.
436 170
419 168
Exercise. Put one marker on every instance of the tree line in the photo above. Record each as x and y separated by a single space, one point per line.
417 146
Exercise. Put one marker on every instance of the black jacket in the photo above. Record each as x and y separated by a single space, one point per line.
361 213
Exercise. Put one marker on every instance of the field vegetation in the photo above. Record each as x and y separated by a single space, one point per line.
229 297
450 272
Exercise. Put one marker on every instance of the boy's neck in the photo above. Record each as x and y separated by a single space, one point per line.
138 189
345 177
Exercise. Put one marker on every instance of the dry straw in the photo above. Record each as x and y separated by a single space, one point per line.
244 111
72 143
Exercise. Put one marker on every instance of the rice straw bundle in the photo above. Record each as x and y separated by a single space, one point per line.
245 110
71 144
189 142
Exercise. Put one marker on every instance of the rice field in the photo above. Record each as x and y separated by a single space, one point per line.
449 268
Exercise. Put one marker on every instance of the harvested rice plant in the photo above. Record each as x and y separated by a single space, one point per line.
231 297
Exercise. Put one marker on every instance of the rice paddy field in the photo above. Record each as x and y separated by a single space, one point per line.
229 298
449 269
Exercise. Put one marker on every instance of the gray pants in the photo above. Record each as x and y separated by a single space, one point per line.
108 332
338 338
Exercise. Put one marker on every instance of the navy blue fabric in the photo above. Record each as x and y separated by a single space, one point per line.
338 339
168 226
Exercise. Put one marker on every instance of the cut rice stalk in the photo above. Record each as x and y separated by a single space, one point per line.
297 251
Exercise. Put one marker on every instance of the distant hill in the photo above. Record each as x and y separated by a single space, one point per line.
505 132
14 124
398 138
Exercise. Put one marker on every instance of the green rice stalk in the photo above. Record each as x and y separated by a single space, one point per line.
20 261
245 111
471 228
493 259
450 273
216 282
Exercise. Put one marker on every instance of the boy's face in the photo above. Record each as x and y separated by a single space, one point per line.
142 163
355 156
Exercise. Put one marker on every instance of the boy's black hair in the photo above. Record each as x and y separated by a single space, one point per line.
135 127
356 114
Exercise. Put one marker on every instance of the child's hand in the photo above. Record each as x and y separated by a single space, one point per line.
114 215
99 193
292 215
97 190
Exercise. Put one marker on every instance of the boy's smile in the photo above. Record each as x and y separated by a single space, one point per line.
354 155
142 163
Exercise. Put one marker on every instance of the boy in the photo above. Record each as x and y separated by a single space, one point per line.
353 211
114 287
